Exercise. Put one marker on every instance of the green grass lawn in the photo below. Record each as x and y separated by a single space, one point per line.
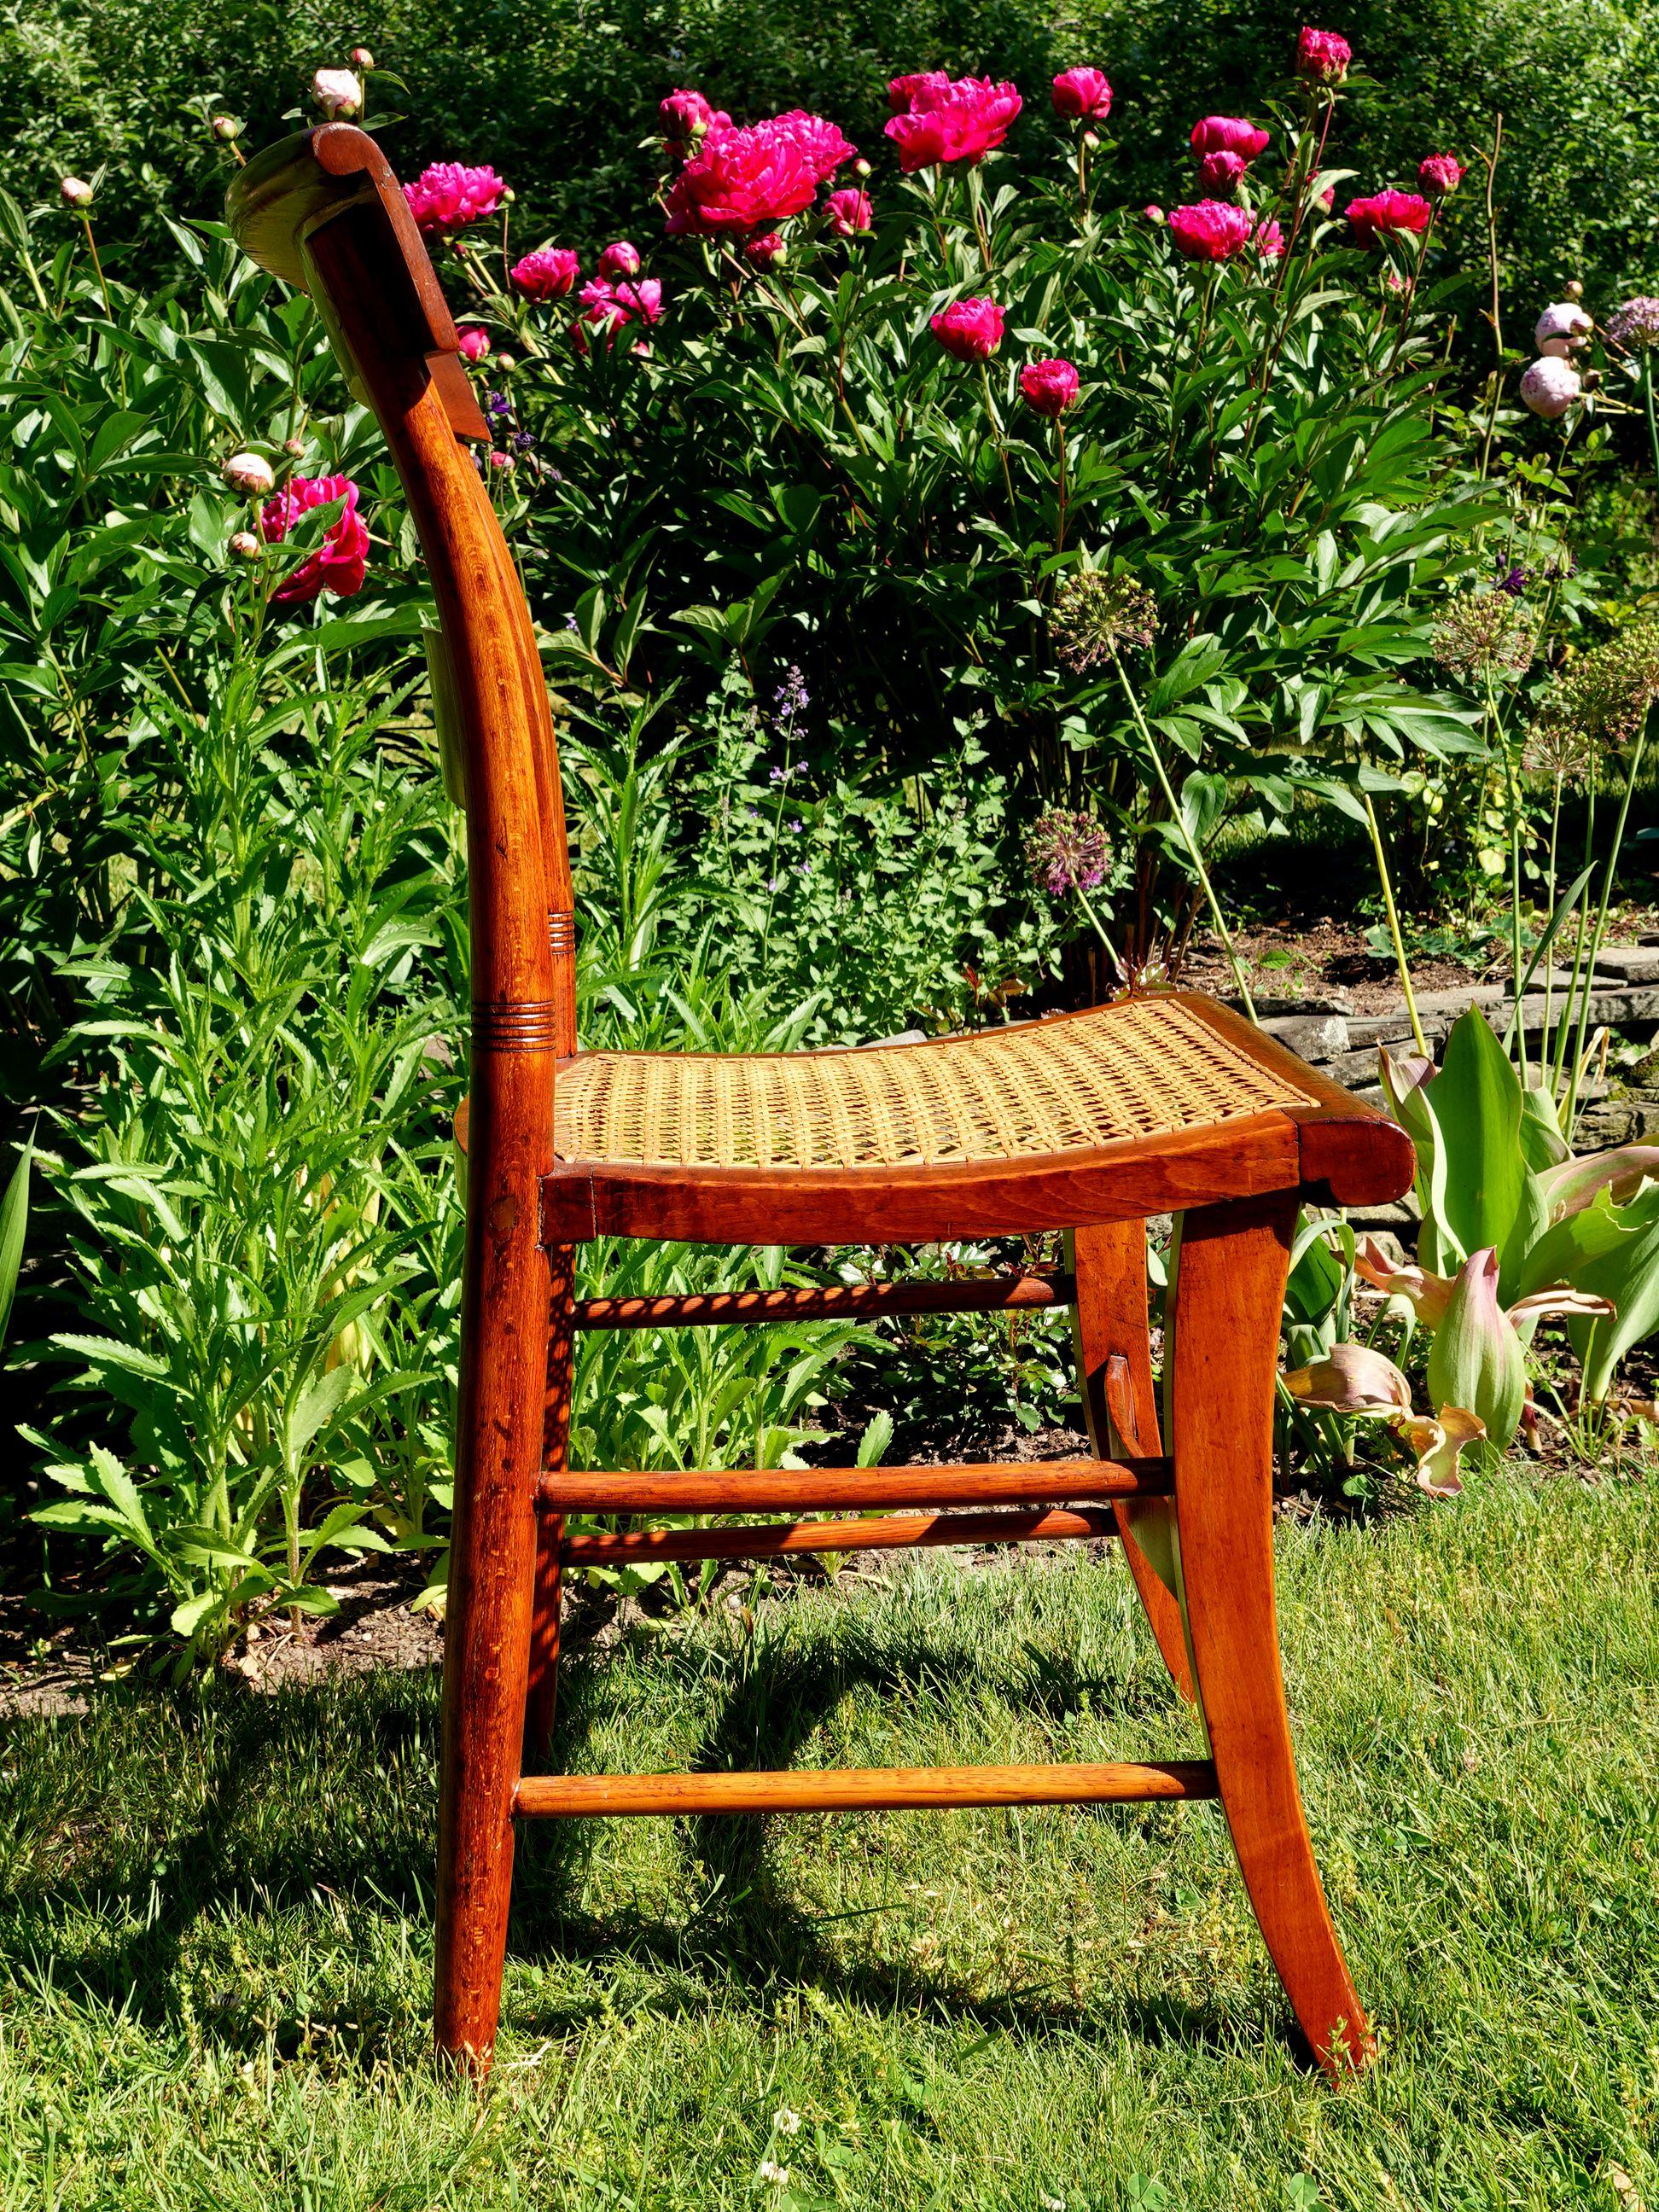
214 1956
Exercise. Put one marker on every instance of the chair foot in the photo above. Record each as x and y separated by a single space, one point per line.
1119 1399
1228 1288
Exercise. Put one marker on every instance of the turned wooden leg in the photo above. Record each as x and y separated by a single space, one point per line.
504 1328
1228 1285
1119 1399
543 1700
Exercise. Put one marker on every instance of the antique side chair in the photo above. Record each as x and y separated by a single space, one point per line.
1086 1123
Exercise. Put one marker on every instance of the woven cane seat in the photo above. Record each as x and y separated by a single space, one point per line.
1148 1067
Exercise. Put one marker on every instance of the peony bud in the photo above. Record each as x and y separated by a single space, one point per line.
1549 387
1091 139
227 128
361 58
860 168
501 460
474 342
768 251
621 259
337 92
245 545
1574 290
248 473
295 446
76 194
1560 328
504 362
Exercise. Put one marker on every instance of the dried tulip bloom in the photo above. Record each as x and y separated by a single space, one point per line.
1096 616
1066 852
1483 632
1635 326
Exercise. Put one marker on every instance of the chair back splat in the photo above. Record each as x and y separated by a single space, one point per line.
1084 1123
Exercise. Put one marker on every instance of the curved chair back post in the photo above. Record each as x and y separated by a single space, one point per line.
324 211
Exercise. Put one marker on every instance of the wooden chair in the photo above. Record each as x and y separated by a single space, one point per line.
1086 1123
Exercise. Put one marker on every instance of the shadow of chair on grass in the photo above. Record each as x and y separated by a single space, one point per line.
748 1927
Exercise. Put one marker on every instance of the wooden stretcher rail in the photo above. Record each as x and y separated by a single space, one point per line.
856 1489
560 1796
836 1302
894 1532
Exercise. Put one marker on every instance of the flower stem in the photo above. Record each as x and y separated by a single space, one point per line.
1186 836
1001 442
1059 519
1600 931
1111 950
1652 426
1393 914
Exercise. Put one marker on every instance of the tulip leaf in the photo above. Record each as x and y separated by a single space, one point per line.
1475 1101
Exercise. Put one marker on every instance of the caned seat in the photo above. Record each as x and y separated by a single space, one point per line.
1147 1068
1087 1123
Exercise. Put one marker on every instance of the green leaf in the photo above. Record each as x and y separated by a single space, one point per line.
1475 1101
14 1222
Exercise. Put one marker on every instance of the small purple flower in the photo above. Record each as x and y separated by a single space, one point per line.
776 884
1066 852
796 827
1635 326
1514 581
523 441
497 403
791 693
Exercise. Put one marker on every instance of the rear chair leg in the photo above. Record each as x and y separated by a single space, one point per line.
542 1703
504 1331
1227 1290
1115 1368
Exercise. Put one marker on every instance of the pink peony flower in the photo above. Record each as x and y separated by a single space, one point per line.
1550 386
970 328
961 121
1083 93
609 307
748 180
1269 241
850 212
1228 133
904 92
475 343
1220 175
766 252
1212 231
821 142
621 259
1048 387
448 195
684 116
1440 174
1322 55
548 273
1383 212
337 565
